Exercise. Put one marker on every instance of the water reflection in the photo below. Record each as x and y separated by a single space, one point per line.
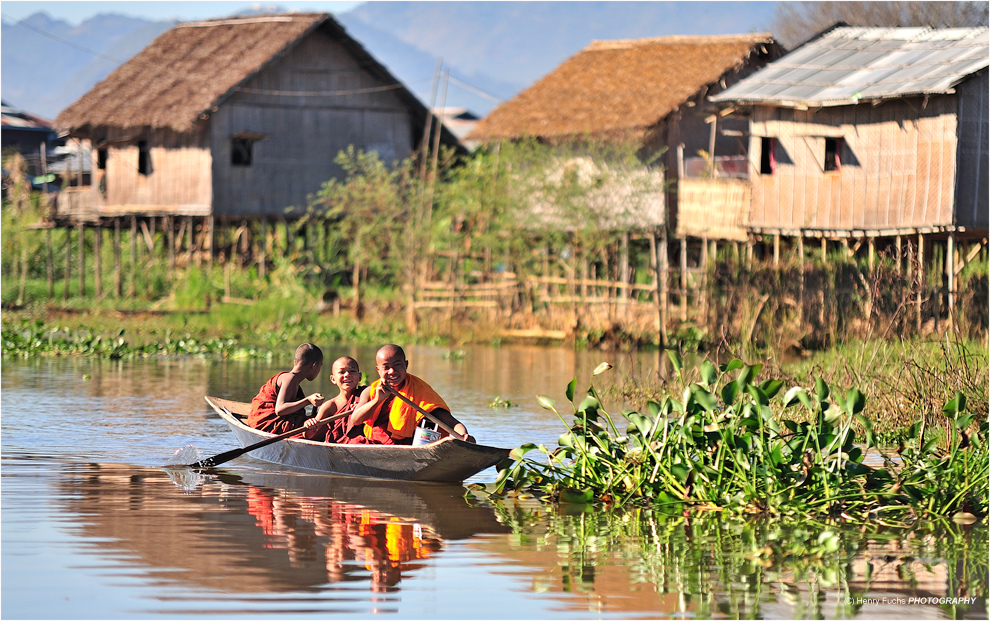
710 566
271 532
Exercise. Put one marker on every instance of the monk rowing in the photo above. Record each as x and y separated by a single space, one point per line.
388 420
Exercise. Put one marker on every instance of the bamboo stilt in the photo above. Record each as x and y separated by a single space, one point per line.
98 259
50 264
82 261
118 277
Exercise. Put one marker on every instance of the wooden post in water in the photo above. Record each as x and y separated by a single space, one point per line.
134 271
68 262
50 264
118 280
170 227
900 255
683 278
950 269
98 259
921 275
82 260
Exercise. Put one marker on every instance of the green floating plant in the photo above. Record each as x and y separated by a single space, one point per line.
724 444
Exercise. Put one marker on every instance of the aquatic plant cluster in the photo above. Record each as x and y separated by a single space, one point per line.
726 444
33 338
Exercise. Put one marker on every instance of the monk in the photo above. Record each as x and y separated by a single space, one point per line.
345 374
389 420
280 404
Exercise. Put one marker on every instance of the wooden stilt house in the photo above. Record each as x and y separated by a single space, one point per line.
872 137
237 119
653 92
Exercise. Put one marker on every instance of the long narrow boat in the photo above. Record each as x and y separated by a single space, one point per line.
446 461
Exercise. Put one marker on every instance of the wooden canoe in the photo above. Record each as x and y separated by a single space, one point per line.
446 461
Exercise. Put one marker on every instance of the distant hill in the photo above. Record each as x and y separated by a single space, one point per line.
492 50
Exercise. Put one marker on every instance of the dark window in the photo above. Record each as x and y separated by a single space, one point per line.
101 159
768 159
144 158
240 151
833 154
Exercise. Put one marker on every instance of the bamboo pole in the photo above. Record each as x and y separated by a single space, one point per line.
118 277
683 278
82 260
68 262
920 276
170 227
776 249
263 248
950 269
50 264
98 259
132 286
900 255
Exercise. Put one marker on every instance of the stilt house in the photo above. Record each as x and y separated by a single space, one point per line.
870 133
652 92
237 119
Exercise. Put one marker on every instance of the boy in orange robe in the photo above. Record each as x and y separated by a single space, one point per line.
388 420
280 404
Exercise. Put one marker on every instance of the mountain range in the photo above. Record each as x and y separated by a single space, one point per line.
492 50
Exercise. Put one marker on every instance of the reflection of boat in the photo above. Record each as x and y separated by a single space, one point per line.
262 532
447 461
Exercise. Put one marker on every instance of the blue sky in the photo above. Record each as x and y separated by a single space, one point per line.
184 10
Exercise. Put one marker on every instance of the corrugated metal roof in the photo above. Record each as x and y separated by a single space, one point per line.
846 65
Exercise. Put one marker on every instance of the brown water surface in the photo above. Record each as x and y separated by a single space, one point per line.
94 527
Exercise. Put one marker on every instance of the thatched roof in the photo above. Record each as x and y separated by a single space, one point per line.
186 72
619 87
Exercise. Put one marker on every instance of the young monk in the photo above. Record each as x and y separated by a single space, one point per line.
346 375
280 405
389 420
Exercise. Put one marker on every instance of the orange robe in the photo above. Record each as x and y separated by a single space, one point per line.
398 420
263 414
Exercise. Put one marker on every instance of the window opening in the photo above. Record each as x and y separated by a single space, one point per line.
144 158
833 154
101 159
768 160
241 151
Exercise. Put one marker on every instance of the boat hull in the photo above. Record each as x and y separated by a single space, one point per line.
447 461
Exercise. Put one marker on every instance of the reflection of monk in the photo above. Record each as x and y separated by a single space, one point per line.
386 546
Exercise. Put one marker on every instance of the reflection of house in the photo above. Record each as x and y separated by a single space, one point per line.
653 92
871 133
239 118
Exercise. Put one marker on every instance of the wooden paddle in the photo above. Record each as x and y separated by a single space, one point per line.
216 460
416 407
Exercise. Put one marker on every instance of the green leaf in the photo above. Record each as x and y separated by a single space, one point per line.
771 387
546 403
641 423
955 405
963 421
704 398
855 401
588 403
570 390
733 364
654 408
791 396
709 374
676 361
729 392
821 389
517 453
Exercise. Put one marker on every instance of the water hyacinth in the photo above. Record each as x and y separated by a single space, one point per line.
726 443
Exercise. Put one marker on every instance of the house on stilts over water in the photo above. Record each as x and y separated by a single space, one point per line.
872 139
235 120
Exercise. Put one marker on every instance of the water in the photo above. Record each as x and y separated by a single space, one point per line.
94 528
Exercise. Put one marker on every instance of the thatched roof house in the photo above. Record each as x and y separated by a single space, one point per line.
649 91
241 117
879 131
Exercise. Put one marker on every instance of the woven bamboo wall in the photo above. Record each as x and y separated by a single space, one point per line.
292 103
179 181
898 167
713 208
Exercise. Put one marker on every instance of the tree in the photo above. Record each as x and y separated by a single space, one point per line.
796 22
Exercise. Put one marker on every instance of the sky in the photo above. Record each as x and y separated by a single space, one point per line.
76 12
